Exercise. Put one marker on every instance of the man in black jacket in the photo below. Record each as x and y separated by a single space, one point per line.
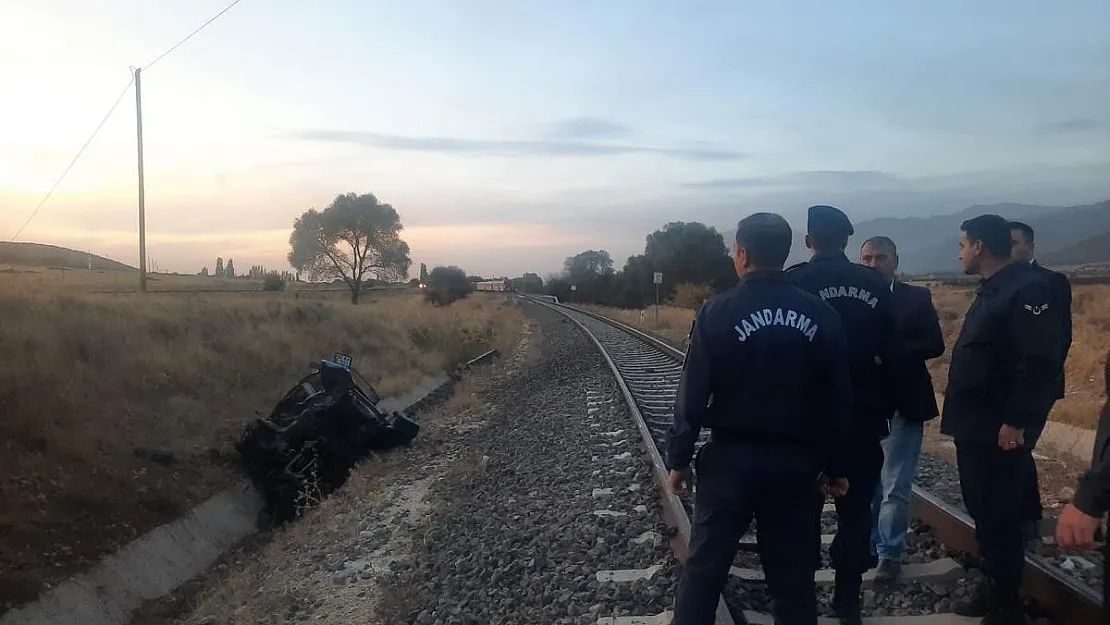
919 338
1075 529
1004 362
1023 250
862 298
767 372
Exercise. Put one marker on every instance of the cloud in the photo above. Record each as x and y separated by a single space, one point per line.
1068 126
799 178
588 128
496 147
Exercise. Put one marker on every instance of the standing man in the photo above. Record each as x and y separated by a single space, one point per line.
1023 250
1004 363
862 298
766 371
919 338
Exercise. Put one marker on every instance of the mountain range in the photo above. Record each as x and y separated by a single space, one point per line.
1066 236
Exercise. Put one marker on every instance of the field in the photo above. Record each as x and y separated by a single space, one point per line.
89 379
1090 342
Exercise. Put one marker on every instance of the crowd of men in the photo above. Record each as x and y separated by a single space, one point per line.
813 382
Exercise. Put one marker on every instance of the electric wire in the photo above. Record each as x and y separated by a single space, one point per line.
112 110
77 156
190 35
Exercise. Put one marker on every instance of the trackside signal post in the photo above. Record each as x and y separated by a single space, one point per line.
657 279
142 192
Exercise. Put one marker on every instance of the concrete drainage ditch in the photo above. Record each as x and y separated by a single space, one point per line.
158 562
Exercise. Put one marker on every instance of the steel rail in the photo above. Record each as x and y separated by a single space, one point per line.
1065 598
671 503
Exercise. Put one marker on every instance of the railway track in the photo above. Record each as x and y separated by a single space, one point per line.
647 371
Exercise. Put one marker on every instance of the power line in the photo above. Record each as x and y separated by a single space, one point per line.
112 110
77 156
190 35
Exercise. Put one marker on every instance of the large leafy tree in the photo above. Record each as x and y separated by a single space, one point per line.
689 252
354 239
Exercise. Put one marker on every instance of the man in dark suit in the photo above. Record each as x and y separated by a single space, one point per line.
1023 250
919 338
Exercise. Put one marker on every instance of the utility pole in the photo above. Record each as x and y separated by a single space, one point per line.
142 191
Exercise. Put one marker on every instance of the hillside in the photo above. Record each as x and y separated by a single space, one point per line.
930 244
53 256
1089 251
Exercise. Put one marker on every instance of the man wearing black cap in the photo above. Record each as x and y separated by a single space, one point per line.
766 371
862 297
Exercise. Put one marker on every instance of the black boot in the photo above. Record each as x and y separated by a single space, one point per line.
846 598
1004 608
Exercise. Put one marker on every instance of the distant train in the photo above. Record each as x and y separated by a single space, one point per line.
505 285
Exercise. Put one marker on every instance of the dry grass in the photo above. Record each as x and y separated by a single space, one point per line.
1090 342
1090 310
52 280
87 378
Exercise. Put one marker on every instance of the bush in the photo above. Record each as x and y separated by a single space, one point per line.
273 282
691 296
446 285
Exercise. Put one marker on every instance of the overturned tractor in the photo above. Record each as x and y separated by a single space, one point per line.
307 446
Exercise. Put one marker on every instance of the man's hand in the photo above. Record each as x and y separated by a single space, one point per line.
1010 438
680 481
1074 529
834 487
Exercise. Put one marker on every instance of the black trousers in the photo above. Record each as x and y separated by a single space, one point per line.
1031 509
731 491
1106 578
993 483
850 551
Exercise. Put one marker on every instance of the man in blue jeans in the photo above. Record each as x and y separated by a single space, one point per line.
919 338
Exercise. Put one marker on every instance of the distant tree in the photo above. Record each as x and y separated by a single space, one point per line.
229 269
684 252
528 283
354 238
588 265
219 267
273 281
423 273
591 275
204 272
446 285
689 252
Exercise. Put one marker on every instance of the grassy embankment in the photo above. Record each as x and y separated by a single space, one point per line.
87 378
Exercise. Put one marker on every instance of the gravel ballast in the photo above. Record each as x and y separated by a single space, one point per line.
942 479
550 506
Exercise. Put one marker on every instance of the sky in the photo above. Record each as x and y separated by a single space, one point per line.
510 135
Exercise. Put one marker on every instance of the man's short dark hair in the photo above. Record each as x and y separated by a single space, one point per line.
1026 230
828 241
766 237
993 231
881 240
